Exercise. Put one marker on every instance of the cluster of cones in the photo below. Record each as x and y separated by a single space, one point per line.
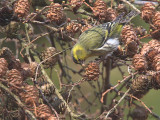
14 75
148 57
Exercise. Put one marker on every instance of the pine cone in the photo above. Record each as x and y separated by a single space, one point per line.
50 51
156 62
3 67
47 89
6 14
156 29
100 10
30 95
110 15
150 55
140 63
13 63
155 44
139 113
129 38
58 104
85 27
128 34
21 8
131 48
140 31
44 112
145 49
14 79
140 86
29 70
75 4
55 13
148 11
122 8
12 29
156 20
73 28
92 71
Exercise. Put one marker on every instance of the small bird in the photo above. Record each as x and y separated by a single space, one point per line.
100 40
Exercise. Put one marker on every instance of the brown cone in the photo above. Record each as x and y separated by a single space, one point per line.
145 49
140 86
155 44
14 79
50 51
156 29
139 113
43 112
55 13
156 20
140 31
156 62
100 10
148 11
110 15
30 95
140 62
73 28
21 8
130 39
13 63
75 4
3 67
92 71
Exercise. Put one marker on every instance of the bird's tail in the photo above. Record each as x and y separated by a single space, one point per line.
125 19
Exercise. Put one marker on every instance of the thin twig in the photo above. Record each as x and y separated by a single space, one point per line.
111 110
18 100
125 79
131 5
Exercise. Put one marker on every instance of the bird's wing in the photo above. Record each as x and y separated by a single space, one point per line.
110 46
92 38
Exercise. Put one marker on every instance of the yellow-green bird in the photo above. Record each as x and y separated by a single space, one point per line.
100 40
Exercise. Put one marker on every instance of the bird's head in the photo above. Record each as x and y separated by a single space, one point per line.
79 54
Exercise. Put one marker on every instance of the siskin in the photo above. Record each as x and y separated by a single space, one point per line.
100 40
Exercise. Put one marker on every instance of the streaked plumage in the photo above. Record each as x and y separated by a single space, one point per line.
100 40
